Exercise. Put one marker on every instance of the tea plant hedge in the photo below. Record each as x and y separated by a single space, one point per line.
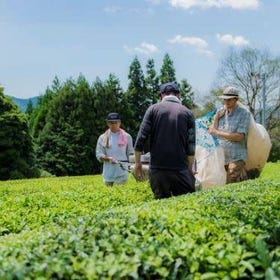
76 228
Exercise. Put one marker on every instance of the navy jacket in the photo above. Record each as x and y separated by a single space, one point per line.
170 128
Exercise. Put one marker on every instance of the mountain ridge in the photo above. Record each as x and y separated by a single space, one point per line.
23 102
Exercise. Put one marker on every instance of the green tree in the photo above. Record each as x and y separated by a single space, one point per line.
136 97
29 108
107 98
152 82
75 118
66 145
167 71
17 156
37 119
187 94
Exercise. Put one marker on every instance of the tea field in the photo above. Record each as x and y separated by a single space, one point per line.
77 228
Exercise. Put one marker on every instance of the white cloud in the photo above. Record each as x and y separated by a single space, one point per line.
194 41
234 4
127 49
200 44
126 11
112 9
144 48
154 1
231 40
205 52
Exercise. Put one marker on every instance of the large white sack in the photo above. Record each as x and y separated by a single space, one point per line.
210 167
258 146
209 155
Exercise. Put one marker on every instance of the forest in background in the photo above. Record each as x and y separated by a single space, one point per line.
57 136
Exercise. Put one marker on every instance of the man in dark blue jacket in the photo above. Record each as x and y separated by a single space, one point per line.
170 128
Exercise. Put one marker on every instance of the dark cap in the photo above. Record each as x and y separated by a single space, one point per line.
113 117
230 92
169 87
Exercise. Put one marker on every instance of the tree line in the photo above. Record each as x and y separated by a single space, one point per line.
63 128
57 137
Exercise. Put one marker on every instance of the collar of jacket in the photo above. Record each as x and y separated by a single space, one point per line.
171 98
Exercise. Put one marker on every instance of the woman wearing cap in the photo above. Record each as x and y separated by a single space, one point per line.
231 125
113 149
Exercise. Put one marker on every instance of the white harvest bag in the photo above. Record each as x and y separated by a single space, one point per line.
209 155
258 146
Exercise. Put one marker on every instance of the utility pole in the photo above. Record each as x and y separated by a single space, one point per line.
263 101
261 77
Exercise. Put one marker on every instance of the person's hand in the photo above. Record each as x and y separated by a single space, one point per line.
109 159
112 160
194 172
212 130
138 172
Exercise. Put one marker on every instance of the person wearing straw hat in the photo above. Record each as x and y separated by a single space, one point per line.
113 147
231 125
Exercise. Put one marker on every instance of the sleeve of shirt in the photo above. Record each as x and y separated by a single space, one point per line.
243 126
130 149
100 150
144 131
191 136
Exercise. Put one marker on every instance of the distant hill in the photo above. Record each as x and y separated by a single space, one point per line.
22 103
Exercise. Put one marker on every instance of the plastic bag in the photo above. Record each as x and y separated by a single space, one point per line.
209 155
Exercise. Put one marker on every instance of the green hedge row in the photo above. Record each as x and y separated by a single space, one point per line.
76 228
29 204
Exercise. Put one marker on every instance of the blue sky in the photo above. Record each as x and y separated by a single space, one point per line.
41 39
